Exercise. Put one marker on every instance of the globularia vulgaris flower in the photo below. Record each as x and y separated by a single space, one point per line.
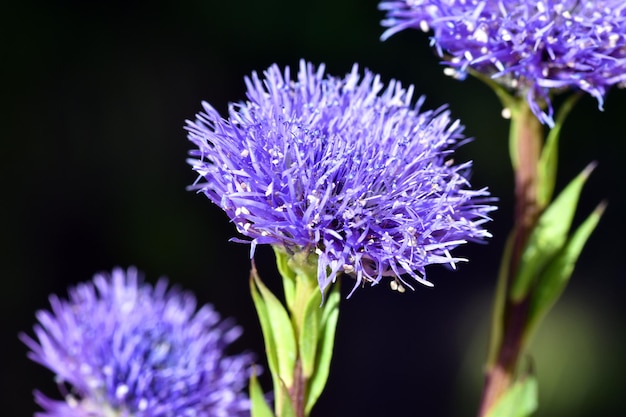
122 348
533 46
346 168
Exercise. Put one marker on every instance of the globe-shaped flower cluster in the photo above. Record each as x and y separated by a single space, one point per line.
120 348
346 169
535 47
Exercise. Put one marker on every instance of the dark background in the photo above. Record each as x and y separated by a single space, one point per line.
95 94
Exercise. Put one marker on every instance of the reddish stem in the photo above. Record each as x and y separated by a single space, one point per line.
526 141
296 392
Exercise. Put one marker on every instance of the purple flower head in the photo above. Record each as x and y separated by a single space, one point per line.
346 168
128 349
534 46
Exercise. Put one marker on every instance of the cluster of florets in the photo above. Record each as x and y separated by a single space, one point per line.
345 168
534 47
128 349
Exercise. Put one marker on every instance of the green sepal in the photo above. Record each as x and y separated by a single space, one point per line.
287 273
258 406
326 342
310 332
280 341
555 277
547 166
548 236
520 400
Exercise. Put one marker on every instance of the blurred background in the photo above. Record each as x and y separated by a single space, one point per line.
93 175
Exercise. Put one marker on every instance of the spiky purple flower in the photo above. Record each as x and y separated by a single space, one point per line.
345 168
532 46
127 349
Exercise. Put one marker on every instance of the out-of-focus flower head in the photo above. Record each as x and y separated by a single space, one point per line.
346 168
534 47
122 348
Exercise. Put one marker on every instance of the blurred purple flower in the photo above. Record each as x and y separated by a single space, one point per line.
534 47
128 349
343 167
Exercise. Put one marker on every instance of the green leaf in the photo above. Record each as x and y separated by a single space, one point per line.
519 401
266 328
326 342
259 407
288 275
309 333
547 167
286 408
280 342
558 272
497 316
548 236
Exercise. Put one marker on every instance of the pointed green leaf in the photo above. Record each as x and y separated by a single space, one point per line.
519 401
547 167
259 408
288 275
286 407
282 331
266 328
558 272
549 235
280 342
497 316
309 332
328 326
